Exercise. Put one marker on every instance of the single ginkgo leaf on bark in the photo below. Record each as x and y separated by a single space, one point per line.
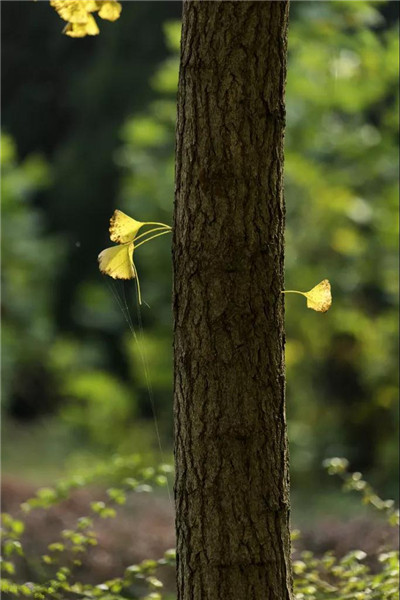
319 298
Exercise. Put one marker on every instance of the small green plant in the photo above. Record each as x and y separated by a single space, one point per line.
350 578
56 572
324 577
353 482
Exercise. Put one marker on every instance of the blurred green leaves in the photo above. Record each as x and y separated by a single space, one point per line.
341 192
30 257
341 174
151 358
341 198
99 406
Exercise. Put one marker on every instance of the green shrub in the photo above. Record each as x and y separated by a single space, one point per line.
349 578
324 577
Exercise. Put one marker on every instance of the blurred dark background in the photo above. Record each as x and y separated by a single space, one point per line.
87 127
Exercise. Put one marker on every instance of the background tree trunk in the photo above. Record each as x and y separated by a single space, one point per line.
232 505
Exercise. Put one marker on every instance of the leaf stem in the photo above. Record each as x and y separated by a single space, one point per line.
162 224
293 292
150 231
137 283
152 237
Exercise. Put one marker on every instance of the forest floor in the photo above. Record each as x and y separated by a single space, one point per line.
144 528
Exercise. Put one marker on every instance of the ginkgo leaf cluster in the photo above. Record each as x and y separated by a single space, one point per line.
79 14
117 261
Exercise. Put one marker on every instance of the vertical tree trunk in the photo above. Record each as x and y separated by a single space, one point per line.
231 490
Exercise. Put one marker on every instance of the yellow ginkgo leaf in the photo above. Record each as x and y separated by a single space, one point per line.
117 262
123 228
109 9
78 30
319 298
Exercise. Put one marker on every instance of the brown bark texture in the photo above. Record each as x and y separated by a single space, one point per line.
231 490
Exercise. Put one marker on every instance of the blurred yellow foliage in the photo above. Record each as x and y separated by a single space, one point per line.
77 13
82 29
109 10
348 241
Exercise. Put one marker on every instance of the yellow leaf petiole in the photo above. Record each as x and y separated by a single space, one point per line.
152 237
162 231
161 224
164 228
138 283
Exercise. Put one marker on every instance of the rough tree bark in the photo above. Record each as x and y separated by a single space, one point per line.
232 505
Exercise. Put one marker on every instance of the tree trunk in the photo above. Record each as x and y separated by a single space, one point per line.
232 504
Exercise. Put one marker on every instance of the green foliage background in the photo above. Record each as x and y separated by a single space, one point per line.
92 129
